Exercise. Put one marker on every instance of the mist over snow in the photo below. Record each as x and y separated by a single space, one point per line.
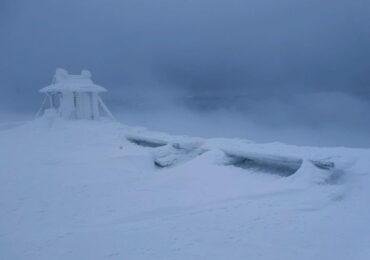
291 71
321 119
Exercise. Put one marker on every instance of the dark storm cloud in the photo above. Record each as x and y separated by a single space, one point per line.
193 45
165 50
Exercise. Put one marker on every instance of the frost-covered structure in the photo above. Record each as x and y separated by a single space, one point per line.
75 96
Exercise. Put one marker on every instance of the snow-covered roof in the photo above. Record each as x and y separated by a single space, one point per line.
63 81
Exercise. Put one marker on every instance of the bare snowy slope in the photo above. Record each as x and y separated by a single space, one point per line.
90 190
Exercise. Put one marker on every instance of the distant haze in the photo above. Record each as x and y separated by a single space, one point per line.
292 71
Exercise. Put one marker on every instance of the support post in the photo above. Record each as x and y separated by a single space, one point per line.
106 110
42 106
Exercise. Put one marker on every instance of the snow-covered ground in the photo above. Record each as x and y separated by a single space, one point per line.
81 190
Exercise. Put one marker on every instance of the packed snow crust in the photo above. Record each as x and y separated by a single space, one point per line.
86 190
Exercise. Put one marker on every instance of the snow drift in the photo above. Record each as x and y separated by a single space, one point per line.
103 190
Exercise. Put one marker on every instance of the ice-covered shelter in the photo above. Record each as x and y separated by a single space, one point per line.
75 96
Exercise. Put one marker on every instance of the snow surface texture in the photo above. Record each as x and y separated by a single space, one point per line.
90 190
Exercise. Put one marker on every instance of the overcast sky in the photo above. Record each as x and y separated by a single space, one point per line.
298 63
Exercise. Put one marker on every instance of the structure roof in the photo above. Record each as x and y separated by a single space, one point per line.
63 81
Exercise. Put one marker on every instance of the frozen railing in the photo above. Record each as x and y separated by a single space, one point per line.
168 153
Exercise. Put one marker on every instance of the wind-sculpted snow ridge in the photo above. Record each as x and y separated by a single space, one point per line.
103 190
